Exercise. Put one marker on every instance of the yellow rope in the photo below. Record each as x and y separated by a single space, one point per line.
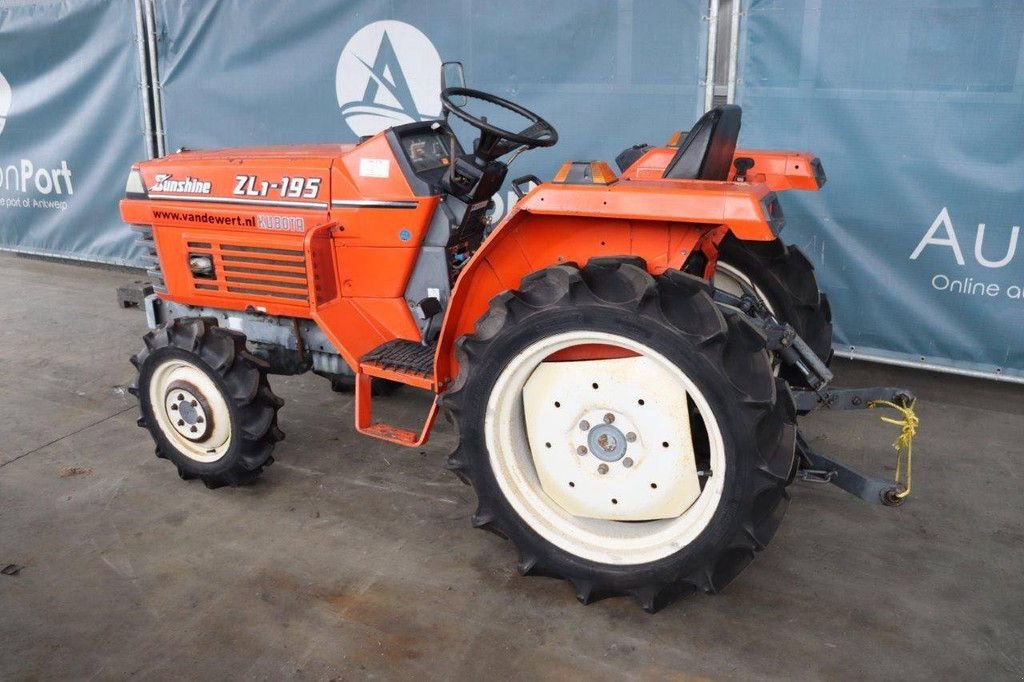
904 442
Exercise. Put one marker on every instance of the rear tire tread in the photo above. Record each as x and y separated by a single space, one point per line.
725 337
786 276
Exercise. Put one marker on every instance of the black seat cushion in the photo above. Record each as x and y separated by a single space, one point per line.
706 153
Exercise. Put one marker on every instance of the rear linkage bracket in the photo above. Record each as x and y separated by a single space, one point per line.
813 466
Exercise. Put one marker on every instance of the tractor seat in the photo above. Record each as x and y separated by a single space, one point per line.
707 151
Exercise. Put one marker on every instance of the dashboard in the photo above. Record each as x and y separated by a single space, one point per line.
423 150
426 151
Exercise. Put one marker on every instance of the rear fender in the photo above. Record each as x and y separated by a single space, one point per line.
560 224
779 170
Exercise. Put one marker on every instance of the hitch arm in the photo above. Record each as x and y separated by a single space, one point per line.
823 469
849 398
815 467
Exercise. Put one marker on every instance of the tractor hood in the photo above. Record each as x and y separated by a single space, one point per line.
303 151
282 174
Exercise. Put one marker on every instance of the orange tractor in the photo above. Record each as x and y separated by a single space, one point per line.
624 356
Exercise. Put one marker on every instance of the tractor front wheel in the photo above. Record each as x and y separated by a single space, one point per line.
623 431
206 402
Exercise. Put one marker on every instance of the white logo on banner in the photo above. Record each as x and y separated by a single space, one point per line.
26 178
388 74
5 101
942 235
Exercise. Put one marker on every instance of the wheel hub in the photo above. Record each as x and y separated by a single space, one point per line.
607 442
611 439
188 411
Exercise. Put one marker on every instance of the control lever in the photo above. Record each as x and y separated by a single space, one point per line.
427 309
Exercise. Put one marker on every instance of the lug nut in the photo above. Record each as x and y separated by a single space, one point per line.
631 437
581 450
609 418
584 425
603 469
627 462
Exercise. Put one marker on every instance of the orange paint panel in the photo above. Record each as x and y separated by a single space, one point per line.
391 317
737 205
321 270
590 351
545 241
779 170
374 271
516 261
393 434
477 285
424 382
548 240
373 172
348 328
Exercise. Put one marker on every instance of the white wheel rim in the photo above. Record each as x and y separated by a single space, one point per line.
728 278
596 539
190 410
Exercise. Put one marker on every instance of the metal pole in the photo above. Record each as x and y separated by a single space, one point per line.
144 84
158 110
734 42
709 78
928 366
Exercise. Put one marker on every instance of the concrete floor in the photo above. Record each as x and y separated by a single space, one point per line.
352 558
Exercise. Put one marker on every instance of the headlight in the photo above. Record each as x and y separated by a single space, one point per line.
135 188
201 266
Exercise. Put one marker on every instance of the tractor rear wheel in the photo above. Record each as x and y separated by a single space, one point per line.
206 402
783 278
623 431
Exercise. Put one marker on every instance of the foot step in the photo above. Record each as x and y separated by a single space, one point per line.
402 355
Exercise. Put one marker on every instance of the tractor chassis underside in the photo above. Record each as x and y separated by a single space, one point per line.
292 347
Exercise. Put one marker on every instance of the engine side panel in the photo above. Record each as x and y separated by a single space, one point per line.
329 232
246 213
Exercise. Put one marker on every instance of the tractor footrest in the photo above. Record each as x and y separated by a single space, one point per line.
393 434
388 432
403 356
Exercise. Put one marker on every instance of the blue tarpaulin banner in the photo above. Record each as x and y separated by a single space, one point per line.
606 74
70 127
916 109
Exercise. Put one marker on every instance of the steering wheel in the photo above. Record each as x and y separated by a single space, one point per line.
495 141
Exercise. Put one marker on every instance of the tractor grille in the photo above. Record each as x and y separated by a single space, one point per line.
150 257
249 271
